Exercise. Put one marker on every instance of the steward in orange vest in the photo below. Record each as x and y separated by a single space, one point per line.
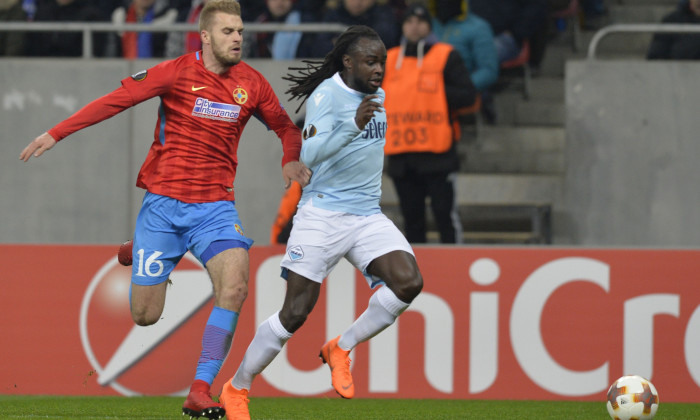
425 80
282 225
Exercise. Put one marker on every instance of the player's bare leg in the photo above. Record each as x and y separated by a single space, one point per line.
226 269
270 337
229 274
398 269
147 302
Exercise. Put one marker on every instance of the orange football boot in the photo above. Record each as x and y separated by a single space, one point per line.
235 402
339 362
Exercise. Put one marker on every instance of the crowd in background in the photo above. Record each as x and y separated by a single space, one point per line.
486 33
473 27
510 22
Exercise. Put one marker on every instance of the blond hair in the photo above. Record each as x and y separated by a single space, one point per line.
211 7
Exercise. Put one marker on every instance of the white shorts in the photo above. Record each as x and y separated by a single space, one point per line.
320 238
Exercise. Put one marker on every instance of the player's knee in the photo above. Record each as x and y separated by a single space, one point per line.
144 317
293 318
408 283
233 295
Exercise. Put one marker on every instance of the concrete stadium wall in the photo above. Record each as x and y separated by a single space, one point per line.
632 176
83 190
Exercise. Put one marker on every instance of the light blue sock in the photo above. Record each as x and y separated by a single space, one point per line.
216 342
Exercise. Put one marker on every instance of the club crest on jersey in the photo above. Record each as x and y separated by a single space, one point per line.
295 253
238 228
205 108
309 131
140 75
240 96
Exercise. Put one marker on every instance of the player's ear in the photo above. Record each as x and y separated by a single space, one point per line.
347 62
204 36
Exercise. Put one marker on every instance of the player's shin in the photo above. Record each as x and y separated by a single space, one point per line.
383 309
216 343
269 339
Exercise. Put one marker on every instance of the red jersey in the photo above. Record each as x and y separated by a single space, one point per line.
201 117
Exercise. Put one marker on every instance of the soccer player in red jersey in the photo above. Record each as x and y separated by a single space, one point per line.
207 97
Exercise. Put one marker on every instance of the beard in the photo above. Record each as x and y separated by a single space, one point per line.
364 86
220 54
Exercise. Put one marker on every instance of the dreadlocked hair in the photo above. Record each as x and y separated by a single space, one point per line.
315 72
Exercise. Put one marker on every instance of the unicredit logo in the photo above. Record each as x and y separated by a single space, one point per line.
136 360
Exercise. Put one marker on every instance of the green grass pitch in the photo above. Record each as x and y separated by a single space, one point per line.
53 407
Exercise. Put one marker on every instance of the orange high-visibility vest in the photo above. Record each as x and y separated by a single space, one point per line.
286 210
416 104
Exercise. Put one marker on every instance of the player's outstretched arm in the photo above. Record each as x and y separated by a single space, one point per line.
295 171
37 147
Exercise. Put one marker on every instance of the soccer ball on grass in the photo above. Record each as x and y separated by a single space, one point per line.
632 398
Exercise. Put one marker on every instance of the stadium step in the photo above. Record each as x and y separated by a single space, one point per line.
514 150
494 209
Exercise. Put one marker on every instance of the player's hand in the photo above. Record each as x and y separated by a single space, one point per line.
365 112
295 171
37 147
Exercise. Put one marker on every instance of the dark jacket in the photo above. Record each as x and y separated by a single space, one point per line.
676 46
460 93
12 42
381 18
64 44
521 17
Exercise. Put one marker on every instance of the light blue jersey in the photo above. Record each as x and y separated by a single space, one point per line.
346 162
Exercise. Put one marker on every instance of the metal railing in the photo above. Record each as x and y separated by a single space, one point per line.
88 28
638 28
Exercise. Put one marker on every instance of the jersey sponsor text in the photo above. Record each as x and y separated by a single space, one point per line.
216 110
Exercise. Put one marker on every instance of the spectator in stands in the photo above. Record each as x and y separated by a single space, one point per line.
179 43
29 7
64 44
471 36
424 81
12 42
594 14
678 46
473 39
107 7
276 45
141 44
512 22
282 226
250 9
380 17
312 10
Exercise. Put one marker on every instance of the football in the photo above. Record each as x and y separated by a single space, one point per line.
632 398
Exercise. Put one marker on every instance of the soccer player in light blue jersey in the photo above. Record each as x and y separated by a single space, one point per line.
339 214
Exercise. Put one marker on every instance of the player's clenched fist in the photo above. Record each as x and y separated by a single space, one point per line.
365 112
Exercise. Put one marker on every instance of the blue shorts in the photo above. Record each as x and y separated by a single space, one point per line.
167 228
